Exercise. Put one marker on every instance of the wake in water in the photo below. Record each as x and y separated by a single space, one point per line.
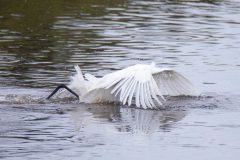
29 99
172 103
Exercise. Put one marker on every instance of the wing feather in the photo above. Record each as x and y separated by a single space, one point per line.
132 91
173 83
124 88
144 83
150 95
128 90
154 93
113 82
133 82
170 83
118 85
180 87
137 97
147 100
142 96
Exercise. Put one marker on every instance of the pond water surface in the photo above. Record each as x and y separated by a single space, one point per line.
41 41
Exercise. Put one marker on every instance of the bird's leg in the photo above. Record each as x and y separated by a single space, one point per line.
62 86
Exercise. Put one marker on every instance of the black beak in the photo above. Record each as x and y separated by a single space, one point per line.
62 86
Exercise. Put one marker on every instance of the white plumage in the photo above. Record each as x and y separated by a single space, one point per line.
145 84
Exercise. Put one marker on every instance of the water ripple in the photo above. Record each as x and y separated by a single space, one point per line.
41 41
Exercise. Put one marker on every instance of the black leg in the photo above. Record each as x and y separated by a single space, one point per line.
62 86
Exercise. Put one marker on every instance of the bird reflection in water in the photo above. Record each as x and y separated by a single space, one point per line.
135 121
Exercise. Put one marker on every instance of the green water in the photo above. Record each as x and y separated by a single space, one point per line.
41 41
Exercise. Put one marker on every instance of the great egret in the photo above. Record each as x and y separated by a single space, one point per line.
146 84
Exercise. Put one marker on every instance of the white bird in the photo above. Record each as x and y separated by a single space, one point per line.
145 84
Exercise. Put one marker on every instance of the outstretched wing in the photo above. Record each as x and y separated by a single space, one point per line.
173 83
135 82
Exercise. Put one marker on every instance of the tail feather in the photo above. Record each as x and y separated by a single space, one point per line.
79 73
78 84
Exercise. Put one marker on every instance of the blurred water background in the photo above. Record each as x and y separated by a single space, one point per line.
41 41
